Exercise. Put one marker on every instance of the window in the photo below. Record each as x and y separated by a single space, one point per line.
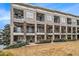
63 29
74 29
19 14
0 36
57 36
74 21
56 29
63 20
40 28
69 21
49 29
30 14
49 17
77 29
77 22
30 28
69 29
68 37
63 36
56 19
40 17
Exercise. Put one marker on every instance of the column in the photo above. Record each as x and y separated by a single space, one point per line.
66 32
35 32
35 28
76 33
71 32
24 26
12 36
11 27
53 29
60 31
53 34
45 31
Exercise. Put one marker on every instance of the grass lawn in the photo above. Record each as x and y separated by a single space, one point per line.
48 49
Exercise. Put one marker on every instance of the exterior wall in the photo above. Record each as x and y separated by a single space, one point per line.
48 21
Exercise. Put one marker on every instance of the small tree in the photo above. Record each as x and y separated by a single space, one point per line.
6 34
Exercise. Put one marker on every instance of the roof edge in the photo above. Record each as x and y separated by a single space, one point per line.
34 6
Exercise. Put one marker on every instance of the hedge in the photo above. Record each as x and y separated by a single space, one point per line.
16 45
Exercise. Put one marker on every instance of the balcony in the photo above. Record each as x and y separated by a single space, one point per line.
30 28
69 21
40 17
40 37
56 19
63 29
18 28
68 29
18 13
74 29
40 28
68 37
77 29
56 37
56 29
77 22
49 29
63 36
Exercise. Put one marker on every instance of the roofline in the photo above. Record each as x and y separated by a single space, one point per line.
33 6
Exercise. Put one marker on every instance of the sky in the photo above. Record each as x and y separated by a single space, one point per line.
72 8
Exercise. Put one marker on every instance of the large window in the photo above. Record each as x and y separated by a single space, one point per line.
0 36
74 29
30 14
57 37
40 16
69 29
77 22
49 28
63 29
56 29
48 17
69 21
56 19
40 28
68 37
19 14
30 28
77 29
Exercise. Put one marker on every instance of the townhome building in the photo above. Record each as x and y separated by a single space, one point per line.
33 23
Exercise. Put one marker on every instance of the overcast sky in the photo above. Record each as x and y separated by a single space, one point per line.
72 8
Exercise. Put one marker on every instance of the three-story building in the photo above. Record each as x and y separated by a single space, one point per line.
32 23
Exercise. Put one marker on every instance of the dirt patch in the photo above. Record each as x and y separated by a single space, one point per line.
70 48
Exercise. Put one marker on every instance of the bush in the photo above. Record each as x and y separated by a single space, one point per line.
5 53
59 40
43 41
69 54
17 45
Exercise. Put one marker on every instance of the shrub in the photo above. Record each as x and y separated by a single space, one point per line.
43 41
16 45
59 40
70 39
5 53
69 54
